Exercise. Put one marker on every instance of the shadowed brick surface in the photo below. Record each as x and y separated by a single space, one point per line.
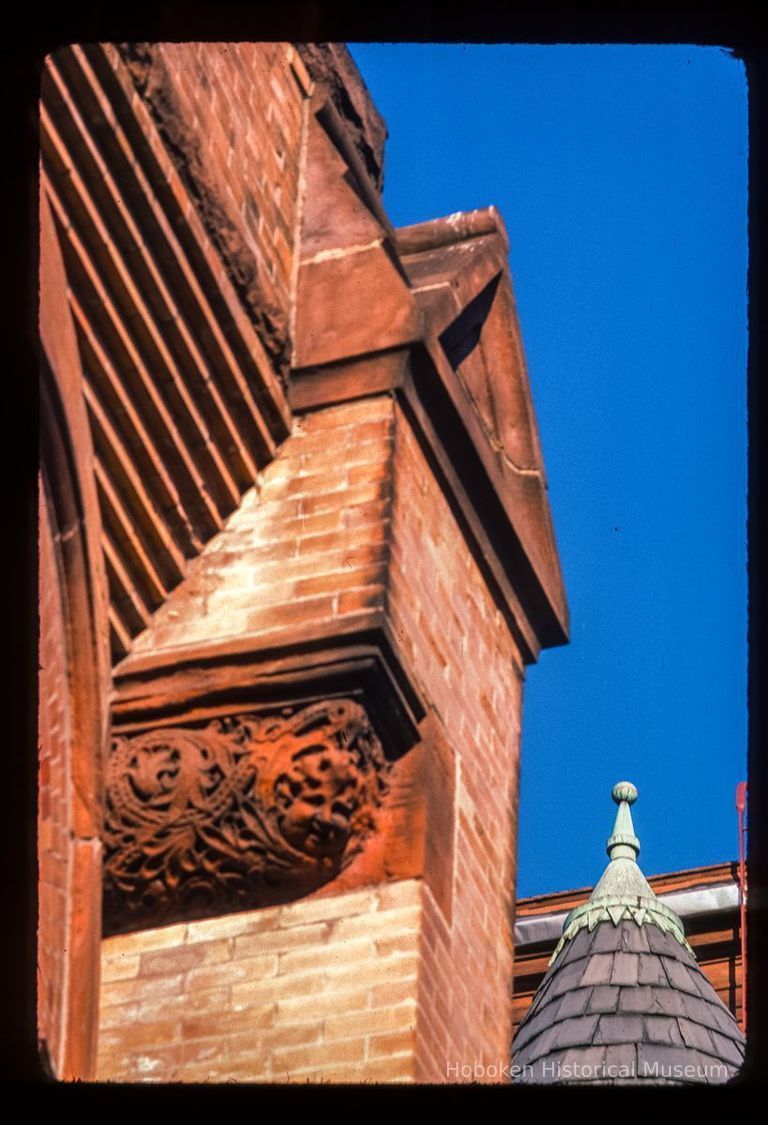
445 618
55 812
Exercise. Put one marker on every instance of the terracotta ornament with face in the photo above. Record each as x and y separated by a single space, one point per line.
247 811
318 798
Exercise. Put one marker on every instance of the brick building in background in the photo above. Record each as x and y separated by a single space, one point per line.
295 556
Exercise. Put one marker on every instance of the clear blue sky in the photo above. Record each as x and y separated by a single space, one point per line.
621 174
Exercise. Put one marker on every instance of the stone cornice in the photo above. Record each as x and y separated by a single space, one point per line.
195 682
452 291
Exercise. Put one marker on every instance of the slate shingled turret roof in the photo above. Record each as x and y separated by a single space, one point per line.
623 1000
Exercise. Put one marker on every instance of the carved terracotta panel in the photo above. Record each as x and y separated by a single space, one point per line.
247 811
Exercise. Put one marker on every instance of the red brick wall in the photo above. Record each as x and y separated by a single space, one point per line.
308 544
244 101
350 515
469 669
233 115
392 977
54 732
321 990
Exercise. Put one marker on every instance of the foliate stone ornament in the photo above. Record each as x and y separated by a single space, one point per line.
247 811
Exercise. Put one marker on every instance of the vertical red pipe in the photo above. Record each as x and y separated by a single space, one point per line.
741 808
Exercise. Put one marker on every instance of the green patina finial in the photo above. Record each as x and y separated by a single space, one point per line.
624 791
623 892
623 843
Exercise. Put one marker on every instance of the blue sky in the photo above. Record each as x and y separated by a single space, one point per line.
621 175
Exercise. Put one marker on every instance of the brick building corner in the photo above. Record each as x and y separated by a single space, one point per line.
295 556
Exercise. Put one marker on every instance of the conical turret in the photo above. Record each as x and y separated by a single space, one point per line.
623 1000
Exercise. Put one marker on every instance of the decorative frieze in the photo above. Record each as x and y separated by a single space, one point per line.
247 811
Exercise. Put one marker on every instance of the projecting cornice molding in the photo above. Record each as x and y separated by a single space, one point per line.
191 683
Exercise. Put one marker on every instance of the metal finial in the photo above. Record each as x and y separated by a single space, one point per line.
622 892
623 843
624 791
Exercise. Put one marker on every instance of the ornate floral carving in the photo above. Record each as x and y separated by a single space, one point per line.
246 811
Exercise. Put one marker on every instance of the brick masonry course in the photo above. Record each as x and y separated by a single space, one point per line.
293 993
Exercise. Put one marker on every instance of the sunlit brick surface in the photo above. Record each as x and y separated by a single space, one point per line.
321 990
309 544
